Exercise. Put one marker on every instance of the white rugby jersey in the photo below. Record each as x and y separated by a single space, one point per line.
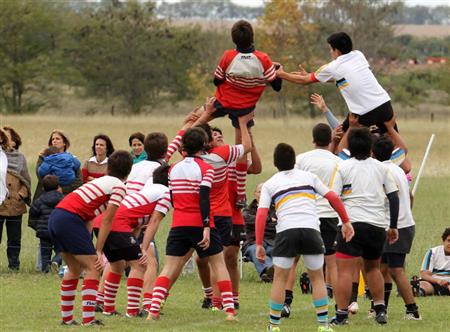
355 81
92 198
363 185
437 263
322 163
140 174
405 217
293 193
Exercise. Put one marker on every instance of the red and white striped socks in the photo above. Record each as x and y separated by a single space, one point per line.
134 287
88 296
100 298
160 291
68 290
241 176
236 298
112 283
208 291
227 296
147 302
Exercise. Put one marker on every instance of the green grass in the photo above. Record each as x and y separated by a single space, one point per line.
29 300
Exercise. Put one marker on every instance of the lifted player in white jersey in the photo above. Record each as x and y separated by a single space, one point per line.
294 194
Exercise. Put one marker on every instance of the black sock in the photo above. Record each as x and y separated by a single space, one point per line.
411 307
354 298
387 293
288 296
379 308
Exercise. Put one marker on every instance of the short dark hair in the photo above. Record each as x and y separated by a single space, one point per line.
15 137
321 134
155 144
446 234
359 143
194 140
4 141
161 175
50 150
140 136
284 157
208 131
63 136
119 164
382 148
109 145
50 182
242 34
340 41
217 130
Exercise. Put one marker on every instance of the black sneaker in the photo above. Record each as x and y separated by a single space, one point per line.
207 303
99 308
93 323
286 311
71 323
335 322
236 305
381 318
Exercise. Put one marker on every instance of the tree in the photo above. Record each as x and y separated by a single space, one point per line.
28 35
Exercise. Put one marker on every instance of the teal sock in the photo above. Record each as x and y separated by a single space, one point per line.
275 313
321 306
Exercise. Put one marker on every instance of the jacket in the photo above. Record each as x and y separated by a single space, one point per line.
249 214
41 209
66 189
63 165
17 198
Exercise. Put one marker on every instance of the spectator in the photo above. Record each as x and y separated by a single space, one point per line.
60 141
18 184
97 165
265 270
39 212
136 142
61 164
435 271
3 165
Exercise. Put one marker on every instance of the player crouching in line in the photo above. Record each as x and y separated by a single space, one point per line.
190 183
70 232
293 193
122 246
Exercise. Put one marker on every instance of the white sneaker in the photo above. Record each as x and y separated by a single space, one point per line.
353 308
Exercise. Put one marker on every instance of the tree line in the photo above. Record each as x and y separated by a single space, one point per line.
125 51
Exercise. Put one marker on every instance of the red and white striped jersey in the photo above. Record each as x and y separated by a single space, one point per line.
245 75
140 174
220 158
185 179
136 209
92 198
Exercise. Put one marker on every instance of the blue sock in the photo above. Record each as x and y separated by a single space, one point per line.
321 306
275 313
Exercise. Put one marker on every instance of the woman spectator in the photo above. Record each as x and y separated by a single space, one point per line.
97 165
60 141
136 142
18 184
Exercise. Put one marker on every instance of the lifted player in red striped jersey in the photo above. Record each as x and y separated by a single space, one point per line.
71 233
122 246
190 183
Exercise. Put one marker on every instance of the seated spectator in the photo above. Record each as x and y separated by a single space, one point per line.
435 271
265 270
61 164
40 210
96 166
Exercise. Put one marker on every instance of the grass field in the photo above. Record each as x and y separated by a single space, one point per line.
29 300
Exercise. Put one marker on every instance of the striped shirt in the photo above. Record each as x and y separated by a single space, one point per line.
93 197
293 193
140 174
437 262
220 158
185 179
245 77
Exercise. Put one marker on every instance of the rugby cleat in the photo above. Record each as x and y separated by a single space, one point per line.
207 303
70 323
94 322
335 322
353 308
286 311
273 328
413 315
111 313
381 318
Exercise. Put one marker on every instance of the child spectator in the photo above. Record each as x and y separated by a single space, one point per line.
40 210
62 164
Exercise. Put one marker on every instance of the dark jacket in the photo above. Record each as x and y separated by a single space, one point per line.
40 211
63 165
249 214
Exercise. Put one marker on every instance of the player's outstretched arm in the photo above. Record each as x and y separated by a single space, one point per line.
256 165
298 77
